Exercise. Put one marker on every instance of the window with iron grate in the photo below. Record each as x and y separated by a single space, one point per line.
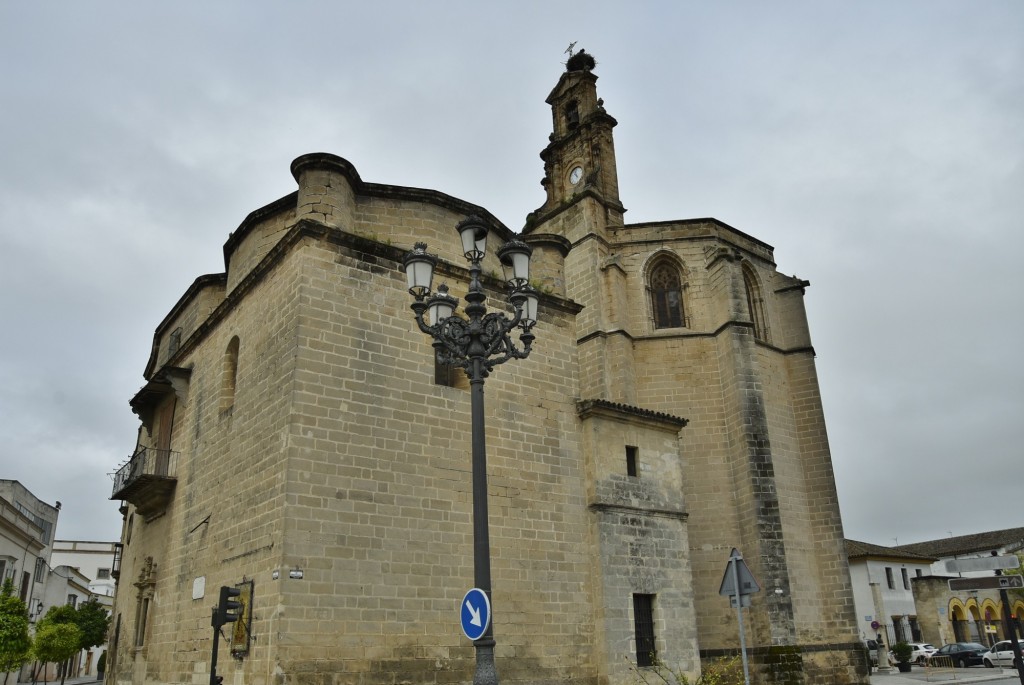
643 620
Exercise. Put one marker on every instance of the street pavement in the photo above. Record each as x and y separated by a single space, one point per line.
918 675
945 675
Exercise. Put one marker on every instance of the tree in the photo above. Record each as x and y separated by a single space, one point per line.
56 642
93 620
15 643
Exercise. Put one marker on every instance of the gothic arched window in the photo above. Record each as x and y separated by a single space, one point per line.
229 375
667 296
755 304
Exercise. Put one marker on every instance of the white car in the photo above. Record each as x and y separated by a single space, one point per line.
1001 654
922 650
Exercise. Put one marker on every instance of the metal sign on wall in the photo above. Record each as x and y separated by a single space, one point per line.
993 563
989 583
240 633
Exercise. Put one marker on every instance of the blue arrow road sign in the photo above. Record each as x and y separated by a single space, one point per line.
475 613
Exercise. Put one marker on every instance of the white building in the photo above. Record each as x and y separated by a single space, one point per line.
26 537
902 593
94 559
46 572
883 590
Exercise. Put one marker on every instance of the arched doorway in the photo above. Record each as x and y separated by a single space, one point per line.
958 619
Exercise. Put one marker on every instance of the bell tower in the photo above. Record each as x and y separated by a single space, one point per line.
582 210
579 160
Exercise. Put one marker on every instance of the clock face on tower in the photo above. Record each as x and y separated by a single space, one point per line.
576 175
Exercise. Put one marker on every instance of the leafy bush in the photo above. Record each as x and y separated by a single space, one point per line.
902 652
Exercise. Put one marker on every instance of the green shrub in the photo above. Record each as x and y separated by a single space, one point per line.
902 652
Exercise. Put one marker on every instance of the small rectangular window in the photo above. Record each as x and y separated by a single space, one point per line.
643 621
102 573
918 573
40 572
72 601
906 579
889 578
631 467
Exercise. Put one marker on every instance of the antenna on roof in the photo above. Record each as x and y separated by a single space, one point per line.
568 50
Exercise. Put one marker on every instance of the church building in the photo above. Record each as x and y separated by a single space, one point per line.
301 443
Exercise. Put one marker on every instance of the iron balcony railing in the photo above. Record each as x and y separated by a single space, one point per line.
115 568
147 462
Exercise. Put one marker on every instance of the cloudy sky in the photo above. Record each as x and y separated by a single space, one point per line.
877 145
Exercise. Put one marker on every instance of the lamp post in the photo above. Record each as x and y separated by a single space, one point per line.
476 342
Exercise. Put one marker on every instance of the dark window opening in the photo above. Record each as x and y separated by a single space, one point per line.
915 629
906 579
889 579
667 297
643 620
631 469
572 114
448 375
897 628
174 343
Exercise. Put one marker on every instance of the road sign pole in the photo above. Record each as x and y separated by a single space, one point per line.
734 562
1018 663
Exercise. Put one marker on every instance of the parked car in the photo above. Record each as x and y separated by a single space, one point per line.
922 650
960 654
1001 654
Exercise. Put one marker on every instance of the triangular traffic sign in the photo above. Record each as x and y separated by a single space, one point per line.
748 585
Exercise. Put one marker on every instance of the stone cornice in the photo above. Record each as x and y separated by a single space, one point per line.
553 240
537 218
340 165
693 334
607 507
307 229
586 409
705 220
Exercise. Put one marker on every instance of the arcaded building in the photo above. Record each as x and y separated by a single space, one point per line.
300 442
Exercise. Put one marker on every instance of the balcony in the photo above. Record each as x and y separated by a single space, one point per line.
115 568
147 480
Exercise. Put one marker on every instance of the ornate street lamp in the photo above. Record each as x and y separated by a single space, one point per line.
476 342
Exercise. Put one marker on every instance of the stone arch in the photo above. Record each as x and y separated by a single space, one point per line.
666 280
755 302
229 375
958 620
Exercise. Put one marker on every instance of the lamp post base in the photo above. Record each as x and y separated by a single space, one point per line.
485 673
